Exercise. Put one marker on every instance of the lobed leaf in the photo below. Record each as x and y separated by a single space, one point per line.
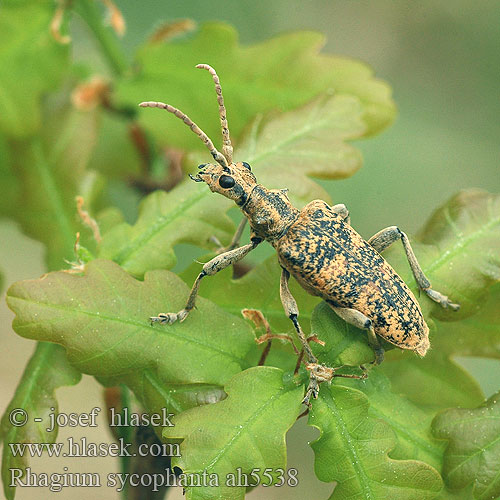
280 152
259 409
473 452
410 423
353 451
281 73
102 321
47 370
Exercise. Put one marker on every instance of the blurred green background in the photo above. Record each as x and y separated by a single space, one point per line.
442 60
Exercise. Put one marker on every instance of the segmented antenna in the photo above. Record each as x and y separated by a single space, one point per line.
218 157
227 148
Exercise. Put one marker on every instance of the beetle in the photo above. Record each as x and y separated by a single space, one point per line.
320 249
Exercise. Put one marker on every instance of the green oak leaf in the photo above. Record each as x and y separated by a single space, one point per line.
47 370
435 381
478 335
347 345
246 430
33 64
465 494
101 319
280 151
353 451
473 451
281 73
344 343
258 289
410 423
155 393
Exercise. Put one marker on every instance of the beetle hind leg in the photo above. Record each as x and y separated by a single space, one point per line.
359 320
385 238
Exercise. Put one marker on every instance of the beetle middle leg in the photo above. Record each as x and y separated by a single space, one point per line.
342 210
383 239
292 311
212 267
235 240
359 320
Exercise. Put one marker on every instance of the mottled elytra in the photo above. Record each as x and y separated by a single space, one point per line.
320 249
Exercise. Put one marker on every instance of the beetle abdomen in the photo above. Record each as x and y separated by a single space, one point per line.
331 260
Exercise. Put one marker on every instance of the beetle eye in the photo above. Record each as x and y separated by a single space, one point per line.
245 164
226 181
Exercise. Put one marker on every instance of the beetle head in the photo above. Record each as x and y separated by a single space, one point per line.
235 181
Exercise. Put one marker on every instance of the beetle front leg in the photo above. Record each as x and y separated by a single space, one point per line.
383 239
359 320
212 267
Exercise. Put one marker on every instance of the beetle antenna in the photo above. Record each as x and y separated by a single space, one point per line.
218 157
227 148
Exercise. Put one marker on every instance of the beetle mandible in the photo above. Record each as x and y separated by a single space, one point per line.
320 249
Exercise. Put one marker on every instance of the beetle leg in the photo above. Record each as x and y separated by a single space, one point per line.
359 320
292 311
235 241
237 235
341 209
387 237
212 267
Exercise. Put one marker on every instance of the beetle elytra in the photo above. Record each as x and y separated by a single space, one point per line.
320 249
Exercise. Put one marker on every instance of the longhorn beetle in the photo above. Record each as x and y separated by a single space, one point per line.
320 249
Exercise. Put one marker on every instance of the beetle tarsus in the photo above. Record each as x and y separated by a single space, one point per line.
441 299
169 318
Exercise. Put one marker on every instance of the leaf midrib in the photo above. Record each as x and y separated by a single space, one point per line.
153 229
137 324
244 426
361 475
302 132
